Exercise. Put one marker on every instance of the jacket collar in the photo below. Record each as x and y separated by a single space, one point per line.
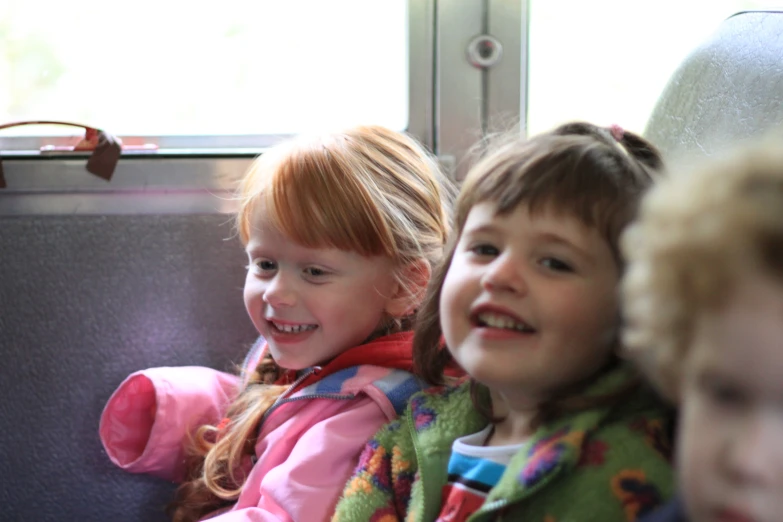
392 351
438 416
436 399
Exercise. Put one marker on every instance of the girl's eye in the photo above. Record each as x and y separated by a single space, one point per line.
266 265
555 264
725 396
314 272
485 250
263 265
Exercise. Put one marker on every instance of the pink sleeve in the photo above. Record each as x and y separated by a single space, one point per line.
147 419
308 484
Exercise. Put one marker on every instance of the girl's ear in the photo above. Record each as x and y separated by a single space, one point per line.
410 290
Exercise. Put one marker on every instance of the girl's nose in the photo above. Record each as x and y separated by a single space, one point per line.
279 292
754 452
504 273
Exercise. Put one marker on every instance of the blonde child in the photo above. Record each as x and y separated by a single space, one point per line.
551 426
341 232
704 301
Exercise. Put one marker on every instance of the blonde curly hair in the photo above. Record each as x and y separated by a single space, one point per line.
699 232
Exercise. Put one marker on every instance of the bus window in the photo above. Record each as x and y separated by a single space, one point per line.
205 74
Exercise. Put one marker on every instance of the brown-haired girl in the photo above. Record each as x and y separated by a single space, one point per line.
551 425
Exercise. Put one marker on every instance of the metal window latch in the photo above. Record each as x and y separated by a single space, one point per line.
104 148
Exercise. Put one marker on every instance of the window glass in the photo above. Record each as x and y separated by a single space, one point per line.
607 61
205 68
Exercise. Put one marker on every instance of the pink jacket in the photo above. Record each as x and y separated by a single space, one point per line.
309 442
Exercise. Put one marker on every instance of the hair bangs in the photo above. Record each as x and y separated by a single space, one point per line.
311 196
574 176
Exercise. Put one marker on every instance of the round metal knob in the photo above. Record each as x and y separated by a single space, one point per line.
484 51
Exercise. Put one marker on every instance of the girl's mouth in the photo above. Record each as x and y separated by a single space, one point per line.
292 328
501 321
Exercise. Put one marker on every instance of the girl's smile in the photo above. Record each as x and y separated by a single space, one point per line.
284 332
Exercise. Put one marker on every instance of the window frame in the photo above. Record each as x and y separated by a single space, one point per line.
451 105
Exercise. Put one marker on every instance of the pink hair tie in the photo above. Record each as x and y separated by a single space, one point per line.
617 132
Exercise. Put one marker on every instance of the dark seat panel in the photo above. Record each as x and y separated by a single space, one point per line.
84 301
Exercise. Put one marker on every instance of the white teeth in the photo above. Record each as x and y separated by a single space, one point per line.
293 328
503 321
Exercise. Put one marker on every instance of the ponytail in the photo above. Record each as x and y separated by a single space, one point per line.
219 457
642 150
637 147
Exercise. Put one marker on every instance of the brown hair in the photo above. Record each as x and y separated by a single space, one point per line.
698 234
368 190
577 169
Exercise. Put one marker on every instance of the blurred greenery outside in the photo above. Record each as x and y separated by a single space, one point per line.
262 66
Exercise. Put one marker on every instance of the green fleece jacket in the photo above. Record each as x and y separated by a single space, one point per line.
606 464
